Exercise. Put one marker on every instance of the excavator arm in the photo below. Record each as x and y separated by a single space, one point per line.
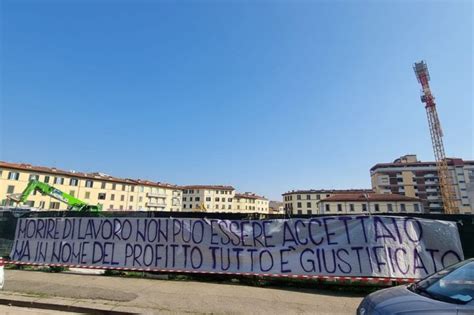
73 203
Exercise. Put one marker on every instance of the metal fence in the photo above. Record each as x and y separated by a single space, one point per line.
9 218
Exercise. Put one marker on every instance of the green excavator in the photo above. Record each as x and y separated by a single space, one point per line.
73 203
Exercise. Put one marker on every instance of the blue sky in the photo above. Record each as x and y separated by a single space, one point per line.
267 96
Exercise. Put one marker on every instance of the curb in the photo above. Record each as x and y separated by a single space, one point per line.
59 307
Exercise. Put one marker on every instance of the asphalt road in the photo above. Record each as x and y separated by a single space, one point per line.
167 296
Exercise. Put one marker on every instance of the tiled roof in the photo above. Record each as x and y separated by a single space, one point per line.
94 176
369 197
328 191
249 196
214 187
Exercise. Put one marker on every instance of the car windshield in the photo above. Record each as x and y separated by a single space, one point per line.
454 284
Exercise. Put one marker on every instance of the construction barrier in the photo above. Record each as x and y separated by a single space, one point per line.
9 220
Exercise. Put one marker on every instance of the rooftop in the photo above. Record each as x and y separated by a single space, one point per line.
328 191
369 197
76 174
211 187
407 161
249 196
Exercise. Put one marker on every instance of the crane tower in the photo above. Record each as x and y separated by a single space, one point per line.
445 181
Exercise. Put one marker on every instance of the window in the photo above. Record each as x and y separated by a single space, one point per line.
122 198
208 198
339 207
87 195
140 199
73 182
59 180
33 177
112 197
328 208
123 187
417 207
298 197
131 198
111 207
41 206
46 179
121 207
217 199
10 189
308 197
184 206
389 207
318 197
351 207
229 199
377 208
114 186
299 204
364 207
190 198
300 211
309 211
13 175
402 207
89 183
130 208
184 198
54 205
229 207
101 196
72 192
103 185
197 199
132 188
308 205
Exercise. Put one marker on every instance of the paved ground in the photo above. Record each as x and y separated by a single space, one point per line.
166 296
12 310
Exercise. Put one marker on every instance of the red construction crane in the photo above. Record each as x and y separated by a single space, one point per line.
445 182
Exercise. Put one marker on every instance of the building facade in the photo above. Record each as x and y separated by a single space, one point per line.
308 201
371 203
220 198
251 203
412 178
94 188
208 198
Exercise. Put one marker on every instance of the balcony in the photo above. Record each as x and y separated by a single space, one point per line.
156 195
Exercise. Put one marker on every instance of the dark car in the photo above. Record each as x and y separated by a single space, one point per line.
449 291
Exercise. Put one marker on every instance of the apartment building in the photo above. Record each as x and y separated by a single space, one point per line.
276 207
373 203
95 188
250 202
219 198
410 177
209 198
307 201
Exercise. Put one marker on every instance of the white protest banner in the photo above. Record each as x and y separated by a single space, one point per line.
355 246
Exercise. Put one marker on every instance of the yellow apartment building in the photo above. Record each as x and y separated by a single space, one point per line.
251 203
94 188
